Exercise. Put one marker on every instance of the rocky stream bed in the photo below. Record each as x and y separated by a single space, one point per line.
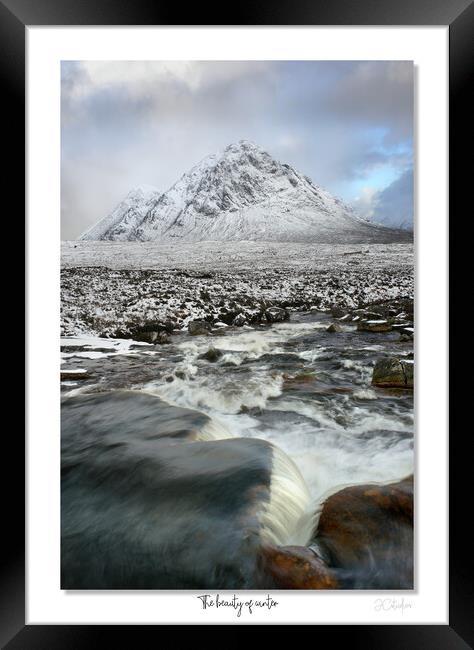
244 425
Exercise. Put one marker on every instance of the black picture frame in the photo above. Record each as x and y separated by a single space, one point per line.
15 16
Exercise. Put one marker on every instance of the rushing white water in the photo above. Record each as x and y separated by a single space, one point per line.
335 439
227 398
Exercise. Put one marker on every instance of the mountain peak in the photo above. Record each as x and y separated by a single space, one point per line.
243 149
238 153
243 146
241 193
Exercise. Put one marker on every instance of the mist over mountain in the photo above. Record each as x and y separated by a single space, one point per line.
393 206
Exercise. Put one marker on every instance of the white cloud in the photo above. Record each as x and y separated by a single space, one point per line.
140 78
392 206
363 203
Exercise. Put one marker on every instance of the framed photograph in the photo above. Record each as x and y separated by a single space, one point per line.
237 321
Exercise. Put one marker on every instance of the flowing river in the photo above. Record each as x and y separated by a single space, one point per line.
294 384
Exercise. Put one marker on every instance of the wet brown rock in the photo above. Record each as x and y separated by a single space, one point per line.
296 567
366 531
79 373
334 328
393 373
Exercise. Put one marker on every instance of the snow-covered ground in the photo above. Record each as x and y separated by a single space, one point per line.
235 256
110 288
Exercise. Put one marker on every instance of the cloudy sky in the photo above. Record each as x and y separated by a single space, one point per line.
348 125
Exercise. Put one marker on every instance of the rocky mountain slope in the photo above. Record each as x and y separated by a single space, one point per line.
122 223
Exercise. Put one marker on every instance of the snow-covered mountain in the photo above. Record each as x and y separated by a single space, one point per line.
240 194
122 223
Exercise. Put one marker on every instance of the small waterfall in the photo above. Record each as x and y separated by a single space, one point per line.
288 515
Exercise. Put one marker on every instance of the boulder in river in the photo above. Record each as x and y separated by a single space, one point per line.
371 315
212 355
276 314
365 533
296 567
338 312
154 496
152 336
374 326
74 373
334 328
408 369
391 372
199 327
156 332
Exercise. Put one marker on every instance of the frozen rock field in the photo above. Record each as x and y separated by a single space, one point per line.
112 288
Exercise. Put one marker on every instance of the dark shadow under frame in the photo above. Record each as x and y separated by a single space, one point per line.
459 15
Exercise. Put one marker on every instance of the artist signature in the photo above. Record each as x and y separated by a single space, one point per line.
391 604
